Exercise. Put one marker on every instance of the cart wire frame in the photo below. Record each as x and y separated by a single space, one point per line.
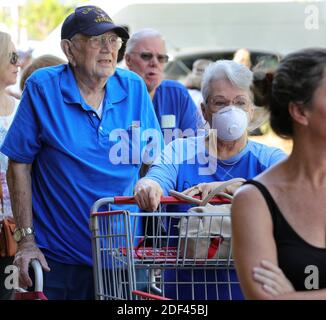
131 263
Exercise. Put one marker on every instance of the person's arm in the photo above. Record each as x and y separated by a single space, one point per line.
20 188
255 253
274 282
160 178
252 239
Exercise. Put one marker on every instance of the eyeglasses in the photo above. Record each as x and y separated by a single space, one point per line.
147 56
103 40
13 58
219 102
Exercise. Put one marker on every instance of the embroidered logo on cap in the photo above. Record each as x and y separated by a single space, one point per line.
101 15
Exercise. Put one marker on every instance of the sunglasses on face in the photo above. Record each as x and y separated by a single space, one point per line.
13 58
147 56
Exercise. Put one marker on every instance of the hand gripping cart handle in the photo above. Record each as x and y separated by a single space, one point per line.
37 294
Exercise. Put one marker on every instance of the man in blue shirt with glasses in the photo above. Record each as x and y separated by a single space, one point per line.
174 107
63 153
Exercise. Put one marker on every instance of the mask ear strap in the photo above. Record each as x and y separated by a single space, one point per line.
251 114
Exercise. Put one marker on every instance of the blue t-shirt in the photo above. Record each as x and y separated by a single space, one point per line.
78 157
172 98
185 163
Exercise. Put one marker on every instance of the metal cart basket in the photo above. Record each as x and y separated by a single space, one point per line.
139 254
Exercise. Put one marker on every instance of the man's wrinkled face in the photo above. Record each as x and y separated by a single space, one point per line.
96 56
148 59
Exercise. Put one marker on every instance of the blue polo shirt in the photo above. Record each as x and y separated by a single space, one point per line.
78 157
185 163
172 98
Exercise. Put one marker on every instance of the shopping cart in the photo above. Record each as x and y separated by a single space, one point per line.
139 255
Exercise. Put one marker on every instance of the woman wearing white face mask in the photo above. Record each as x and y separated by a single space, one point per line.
224 153
229 110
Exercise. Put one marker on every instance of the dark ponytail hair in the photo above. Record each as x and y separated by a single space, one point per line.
295 80
262 87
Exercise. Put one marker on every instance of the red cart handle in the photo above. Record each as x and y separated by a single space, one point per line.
148 296
169 200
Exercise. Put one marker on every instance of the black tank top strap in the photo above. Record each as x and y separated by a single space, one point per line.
272 206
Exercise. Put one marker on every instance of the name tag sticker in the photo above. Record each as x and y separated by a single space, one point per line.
168 121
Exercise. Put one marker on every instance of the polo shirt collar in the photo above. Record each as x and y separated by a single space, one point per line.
114 90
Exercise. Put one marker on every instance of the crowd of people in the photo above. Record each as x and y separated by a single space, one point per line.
59 154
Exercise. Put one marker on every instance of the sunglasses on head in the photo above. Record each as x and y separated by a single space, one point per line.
147 56
14 57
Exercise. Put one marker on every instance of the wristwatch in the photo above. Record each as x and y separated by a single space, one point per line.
21 233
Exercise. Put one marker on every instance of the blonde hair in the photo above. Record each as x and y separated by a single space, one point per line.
5 41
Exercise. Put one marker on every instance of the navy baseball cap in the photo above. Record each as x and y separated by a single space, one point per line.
90 21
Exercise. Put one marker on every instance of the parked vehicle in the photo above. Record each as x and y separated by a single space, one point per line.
180 64
259 25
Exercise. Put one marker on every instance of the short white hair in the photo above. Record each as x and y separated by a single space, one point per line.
238 74
140 35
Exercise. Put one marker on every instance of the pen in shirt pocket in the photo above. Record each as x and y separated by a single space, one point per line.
134 125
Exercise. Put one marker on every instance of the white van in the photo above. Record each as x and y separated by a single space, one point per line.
277 26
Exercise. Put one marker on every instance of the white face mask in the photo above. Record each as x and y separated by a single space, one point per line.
230 123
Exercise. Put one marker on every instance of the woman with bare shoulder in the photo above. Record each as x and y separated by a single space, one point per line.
278 219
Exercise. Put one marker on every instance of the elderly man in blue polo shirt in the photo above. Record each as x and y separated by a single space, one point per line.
174 107
62 151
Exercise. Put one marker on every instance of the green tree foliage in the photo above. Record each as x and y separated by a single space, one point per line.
5 18
40 17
